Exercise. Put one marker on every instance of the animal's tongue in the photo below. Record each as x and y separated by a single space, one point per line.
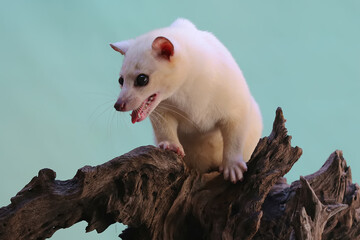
138 114
134 116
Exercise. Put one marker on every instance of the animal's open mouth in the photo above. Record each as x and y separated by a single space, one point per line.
143 111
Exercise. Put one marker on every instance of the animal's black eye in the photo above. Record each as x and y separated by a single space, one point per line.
121 81
142 80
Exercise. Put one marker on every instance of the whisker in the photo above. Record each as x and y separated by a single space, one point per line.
159 116
101 94
117 121
112 119
175 110
99 115
155 118
99 106
159 120
170 108
122 118
108 124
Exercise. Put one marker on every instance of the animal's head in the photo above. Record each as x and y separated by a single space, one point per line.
148 74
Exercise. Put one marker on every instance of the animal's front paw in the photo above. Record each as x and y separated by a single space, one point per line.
233 170
178 149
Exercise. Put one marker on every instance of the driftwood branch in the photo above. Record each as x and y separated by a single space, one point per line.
149 190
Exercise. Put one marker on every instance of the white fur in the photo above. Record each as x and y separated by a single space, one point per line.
204 107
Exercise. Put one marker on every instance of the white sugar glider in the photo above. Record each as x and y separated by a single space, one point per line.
195 95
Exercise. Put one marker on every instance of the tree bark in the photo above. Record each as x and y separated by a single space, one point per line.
152 192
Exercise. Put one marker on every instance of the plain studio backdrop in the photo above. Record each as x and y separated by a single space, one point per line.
58 80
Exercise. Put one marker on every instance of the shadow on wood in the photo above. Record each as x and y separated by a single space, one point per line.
149 190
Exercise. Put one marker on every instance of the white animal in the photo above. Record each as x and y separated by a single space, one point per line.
195 94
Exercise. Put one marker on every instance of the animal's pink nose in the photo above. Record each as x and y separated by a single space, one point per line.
120 106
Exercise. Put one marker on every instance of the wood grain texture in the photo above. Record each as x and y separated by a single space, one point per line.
152 192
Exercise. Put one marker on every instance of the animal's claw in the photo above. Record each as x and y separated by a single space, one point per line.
233 170
172 147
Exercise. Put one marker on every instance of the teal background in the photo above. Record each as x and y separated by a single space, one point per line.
58 79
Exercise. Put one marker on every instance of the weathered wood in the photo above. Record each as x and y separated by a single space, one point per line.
151 191
329 190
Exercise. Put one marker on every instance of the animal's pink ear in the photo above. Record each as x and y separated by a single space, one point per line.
163 48
121 47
